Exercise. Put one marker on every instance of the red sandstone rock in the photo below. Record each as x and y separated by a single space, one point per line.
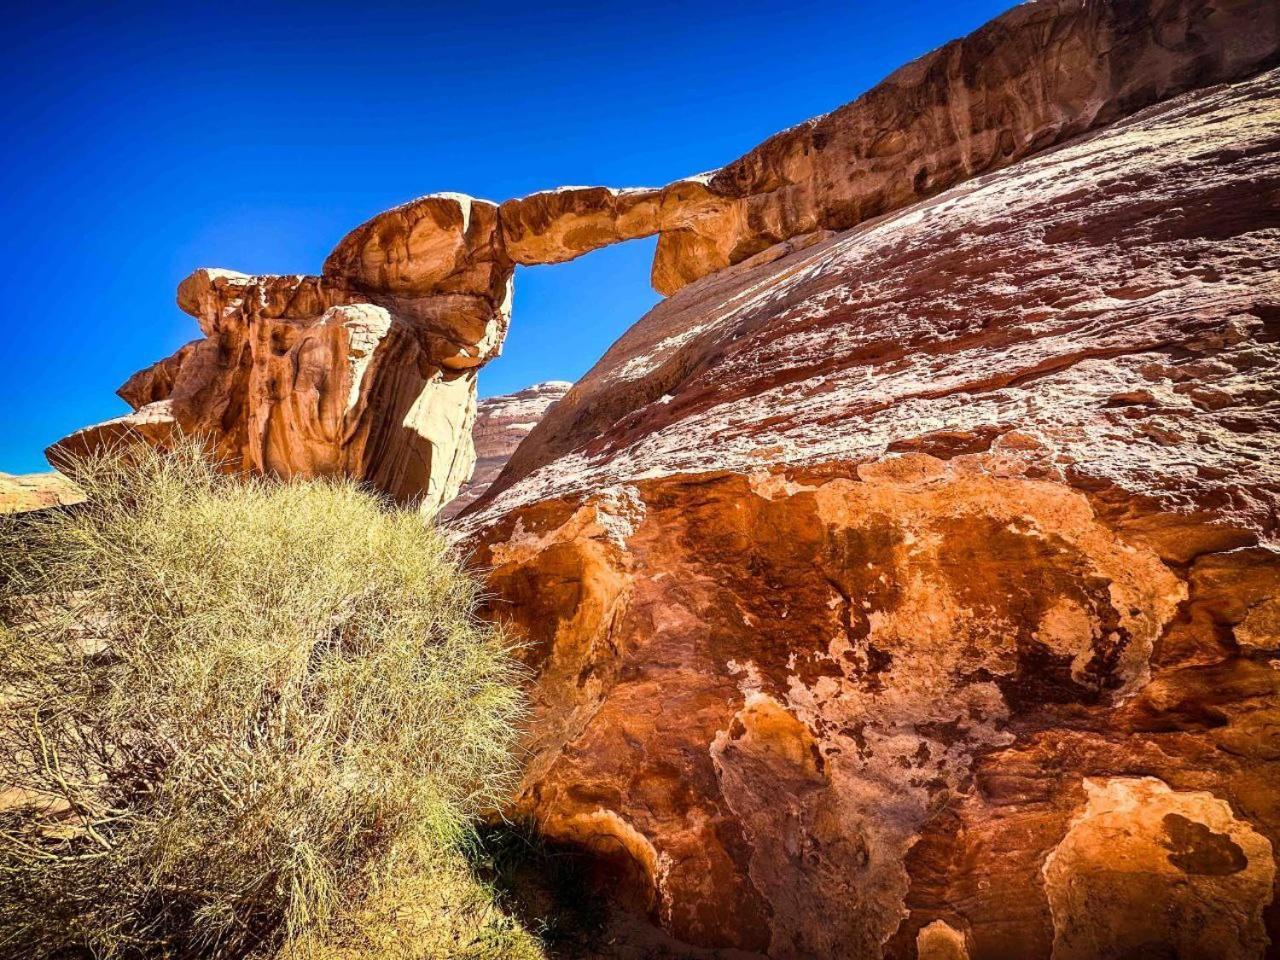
558 225
367 371
501 424
914 593
1042 73
905 591
152 424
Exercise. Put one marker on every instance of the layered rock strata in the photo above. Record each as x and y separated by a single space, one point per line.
914 593
502 422
1038 75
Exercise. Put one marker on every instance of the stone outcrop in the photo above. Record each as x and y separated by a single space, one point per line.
281 385
367 370
1042 73
911 591
907 583
502 422
1138 843
36 491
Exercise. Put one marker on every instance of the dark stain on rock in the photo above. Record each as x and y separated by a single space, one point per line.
1194 848
945 444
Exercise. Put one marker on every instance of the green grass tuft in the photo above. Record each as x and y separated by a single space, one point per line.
243 718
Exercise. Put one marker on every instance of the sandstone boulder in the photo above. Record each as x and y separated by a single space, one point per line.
442 243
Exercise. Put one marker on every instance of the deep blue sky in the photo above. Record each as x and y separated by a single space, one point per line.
143 141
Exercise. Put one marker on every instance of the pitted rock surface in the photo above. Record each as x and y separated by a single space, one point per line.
867 583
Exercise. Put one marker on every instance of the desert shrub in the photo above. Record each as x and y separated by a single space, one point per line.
237 717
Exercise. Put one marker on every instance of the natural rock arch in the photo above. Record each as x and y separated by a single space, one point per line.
383 389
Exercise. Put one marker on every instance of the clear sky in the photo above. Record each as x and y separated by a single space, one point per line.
145 140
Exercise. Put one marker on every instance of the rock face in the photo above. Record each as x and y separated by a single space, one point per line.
1036 76
912 591
1138 843
501 424
35 491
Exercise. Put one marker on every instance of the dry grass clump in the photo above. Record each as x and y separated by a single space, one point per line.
237 718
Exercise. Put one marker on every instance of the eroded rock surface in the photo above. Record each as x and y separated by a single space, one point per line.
366 371
1044 72
502 422
36 491
875 584
1138 845
558 225
440 267
906 584
1038 75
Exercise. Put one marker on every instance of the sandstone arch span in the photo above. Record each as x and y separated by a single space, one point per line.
369 368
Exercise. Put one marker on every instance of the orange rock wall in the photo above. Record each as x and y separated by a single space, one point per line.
912 593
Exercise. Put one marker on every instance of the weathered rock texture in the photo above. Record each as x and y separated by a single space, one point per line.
1138 844
366 371
35 491
915 592
501 423
906 584
1038 75
383 389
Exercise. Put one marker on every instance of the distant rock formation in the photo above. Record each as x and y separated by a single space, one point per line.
916 593
501 424
368 369
36 491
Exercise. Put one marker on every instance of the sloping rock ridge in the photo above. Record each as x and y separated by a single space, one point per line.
1036 76
369 369
915 592
502 422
